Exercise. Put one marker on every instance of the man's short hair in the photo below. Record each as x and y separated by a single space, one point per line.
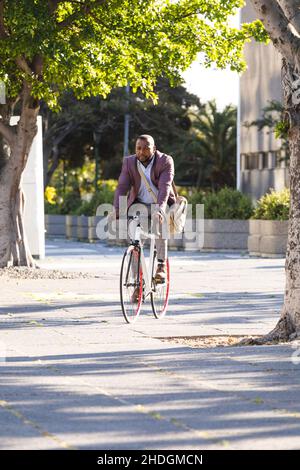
146 137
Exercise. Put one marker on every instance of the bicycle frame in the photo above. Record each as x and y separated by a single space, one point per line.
147 272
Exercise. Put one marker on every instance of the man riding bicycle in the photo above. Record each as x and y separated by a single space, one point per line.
147 176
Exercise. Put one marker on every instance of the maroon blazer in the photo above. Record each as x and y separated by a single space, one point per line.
162 175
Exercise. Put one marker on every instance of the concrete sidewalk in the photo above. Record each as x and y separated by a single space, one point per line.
77 376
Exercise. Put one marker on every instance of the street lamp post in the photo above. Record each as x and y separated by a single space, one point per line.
238 128
126 123
97 138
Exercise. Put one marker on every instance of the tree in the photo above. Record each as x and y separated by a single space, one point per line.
169 121
281 19
69 133
213 146
273 118
91 46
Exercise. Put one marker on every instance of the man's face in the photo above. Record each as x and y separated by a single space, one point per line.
144 150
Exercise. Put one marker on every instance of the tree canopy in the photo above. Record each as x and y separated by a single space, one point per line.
70 134
211 147
92 46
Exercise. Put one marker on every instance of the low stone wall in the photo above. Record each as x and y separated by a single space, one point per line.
83 228
267 238
92 228
217 235
213 235
55 225
225 234
71 227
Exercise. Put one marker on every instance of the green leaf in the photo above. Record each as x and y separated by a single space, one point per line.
90 47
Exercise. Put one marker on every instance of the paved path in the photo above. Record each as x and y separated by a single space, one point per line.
76 376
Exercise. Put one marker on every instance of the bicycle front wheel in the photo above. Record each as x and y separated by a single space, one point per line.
160 292
131 284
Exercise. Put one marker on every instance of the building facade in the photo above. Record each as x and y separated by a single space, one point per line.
262 162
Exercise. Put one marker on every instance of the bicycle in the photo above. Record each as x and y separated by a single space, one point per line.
137 281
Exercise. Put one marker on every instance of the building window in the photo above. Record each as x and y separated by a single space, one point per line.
264 160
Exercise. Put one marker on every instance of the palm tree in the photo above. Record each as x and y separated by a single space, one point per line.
212 146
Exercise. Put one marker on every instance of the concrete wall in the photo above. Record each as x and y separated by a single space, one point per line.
255 183
32 183
268 238
258 84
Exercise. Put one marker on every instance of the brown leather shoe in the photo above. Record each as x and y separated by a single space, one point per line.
136 295
160 275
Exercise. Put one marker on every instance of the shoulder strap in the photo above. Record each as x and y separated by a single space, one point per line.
149 187
147 184
173 184
174 189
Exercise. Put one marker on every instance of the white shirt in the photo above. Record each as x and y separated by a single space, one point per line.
144 195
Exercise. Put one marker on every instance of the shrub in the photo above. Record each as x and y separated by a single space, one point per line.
50 195
227 203
224 204
71 203
197 197
273 206
186 191
105 194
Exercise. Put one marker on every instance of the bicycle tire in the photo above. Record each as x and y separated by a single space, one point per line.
129 281
160 292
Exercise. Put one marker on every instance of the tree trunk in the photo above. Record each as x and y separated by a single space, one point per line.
289 322
54 165
51 146
288 326
13 244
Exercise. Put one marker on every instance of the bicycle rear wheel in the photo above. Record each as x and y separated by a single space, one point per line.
160 292
131 284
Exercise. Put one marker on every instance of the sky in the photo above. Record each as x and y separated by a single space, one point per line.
212 83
